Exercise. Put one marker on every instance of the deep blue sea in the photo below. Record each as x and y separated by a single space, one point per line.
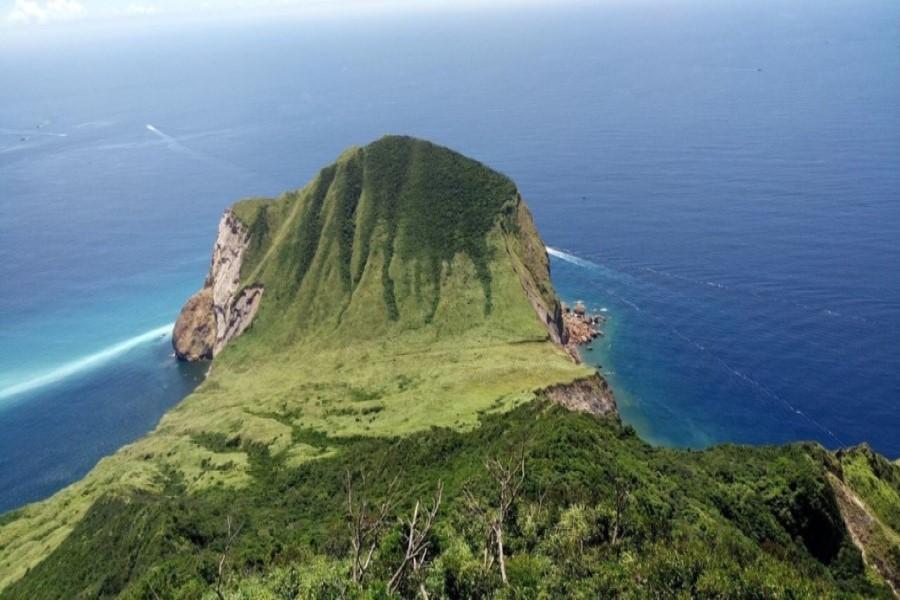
722 178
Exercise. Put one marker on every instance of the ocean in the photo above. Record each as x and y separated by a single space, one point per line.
721 179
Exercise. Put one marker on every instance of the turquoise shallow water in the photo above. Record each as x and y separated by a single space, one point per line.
724 180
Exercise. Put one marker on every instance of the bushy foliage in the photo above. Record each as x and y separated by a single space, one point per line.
721 523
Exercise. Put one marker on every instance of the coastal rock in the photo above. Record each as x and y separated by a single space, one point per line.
194 336
220 311
581 328
588 395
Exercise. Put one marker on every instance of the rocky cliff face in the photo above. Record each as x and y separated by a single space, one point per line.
534 273
589 395
221 310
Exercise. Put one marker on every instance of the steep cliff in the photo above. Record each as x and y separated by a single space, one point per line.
589 395
222 309
867 487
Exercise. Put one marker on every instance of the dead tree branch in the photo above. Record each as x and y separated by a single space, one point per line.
417 542
509 478
621 492
230 536
366 522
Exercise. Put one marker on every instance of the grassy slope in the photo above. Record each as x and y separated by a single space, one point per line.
875 483
330 349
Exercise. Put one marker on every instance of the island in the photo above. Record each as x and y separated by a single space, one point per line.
395 407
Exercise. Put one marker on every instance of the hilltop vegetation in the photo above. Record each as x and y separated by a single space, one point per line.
401 348
730 522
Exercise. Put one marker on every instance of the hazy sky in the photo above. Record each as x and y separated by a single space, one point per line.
36 13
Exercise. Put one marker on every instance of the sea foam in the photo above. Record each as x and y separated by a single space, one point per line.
85 363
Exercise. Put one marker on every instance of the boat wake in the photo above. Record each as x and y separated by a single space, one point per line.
175 145
86 363
31 133
570 258
172 142
702 348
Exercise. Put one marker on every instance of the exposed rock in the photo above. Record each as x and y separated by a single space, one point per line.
589 395
579 308
581 329
220 311
864 528
240 315
194 336
556 331
534 274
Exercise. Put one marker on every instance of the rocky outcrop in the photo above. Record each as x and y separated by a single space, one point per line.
550 315
220 311
236 317
868 533
534 272
194 336
581 328
588 395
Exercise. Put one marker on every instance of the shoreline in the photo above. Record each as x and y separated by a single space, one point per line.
581 328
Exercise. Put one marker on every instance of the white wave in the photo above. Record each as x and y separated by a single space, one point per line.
164 136
570 258
586 264
174 144
629 303
86 363
95 124
31 132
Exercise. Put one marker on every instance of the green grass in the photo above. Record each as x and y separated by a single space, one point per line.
732 522
395 335
394 236
876 481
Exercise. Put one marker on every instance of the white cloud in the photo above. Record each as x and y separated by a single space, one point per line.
36 12
142 9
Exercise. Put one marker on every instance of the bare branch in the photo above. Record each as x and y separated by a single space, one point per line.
365 524
621 493
418 528
230 537
509 478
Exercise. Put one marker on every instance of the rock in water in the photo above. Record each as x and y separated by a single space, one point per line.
194 336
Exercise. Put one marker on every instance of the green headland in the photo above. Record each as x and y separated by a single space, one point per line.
388 413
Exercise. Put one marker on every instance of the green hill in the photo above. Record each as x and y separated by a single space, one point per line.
393 324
